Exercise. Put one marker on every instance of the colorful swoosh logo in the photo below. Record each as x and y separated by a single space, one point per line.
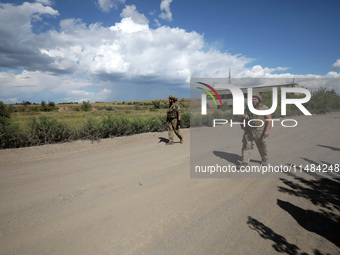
208 86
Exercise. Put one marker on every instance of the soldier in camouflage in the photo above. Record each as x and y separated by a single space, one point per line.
174 120
257 134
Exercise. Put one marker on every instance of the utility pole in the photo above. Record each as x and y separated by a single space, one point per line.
229 74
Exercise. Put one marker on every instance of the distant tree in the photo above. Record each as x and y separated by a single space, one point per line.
51 104
26 103
323 101
47 107
43 106
86 106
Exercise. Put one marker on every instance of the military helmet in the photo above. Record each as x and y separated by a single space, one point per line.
258 95
172 97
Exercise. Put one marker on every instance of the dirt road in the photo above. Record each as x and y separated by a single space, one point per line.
134 195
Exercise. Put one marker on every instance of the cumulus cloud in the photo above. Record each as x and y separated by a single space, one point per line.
332 74
45 2
336 65
131 11
18 42
125 61
107 5
166 12
37 86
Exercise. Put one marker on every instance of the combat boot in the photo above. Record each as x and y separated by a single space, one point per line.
241 164
169 143
264 163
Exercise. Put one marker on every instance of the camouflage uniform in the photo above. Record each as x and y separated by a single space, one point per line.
257 134
172 118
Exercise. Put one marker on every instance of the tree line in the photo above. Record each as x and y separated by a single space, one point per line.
322 101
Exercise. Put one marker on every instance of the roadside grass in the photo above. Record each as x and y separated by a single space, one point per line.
29 127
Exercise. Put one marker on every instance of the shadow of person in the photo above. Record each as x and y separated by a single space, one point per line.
329 147
314 221
280 243
230 157
163 140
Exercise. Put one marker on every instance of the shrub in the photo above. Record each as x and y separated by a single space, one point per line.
114 126
198 120
46 107
109 108
195 120
10 136
91 129
4 111
86 106
156 104
138 125
185 119
156 124
323 101
46 130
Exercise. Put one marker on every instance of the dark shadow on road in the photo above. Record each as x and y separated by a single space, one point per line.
230 157
331 174
280 243
321 192
163 140
311 172
329 147
316 222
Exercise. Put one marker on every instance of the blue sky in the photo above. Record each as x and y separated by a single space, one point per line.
124 50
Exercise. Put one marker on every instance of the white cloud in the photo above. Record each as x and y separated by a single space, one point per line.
126 61
166 12
45 2
107 5
84 95
19 17
336 65
131 11
158 24
258 71
27 85
18 42
333 75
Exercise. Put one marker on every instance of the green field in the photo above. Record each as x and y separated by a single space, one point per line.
73 115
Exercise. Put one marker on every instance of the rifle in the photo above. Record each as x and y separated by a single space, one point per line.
249 130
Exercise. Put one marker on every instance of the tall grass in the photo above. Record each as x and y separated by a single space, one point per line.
10 134
198 120
46 129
